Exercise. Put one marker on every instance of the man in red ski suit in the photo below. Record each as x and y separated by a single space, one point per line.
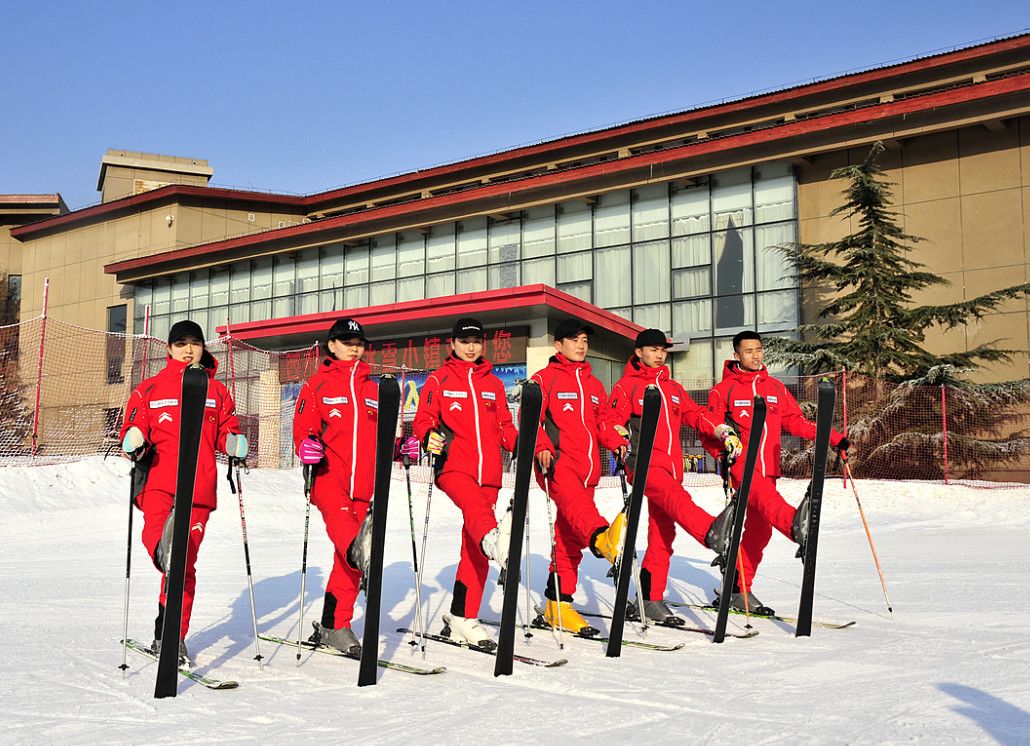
334 432
575 416
150 435
463 419
668 502
732 398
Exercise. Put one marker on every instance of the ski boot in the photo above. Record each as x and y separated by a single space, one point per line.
718 537
569 619
184 655
607 541
753 606
342 639
359 553
657 612
496 543
799 526
467 631
163 550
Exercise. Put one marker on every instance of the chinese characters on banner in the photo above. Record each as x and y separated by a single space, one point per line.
503 347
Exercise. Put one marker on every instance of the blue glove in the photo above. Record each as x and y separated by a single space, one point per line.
133 442
236 446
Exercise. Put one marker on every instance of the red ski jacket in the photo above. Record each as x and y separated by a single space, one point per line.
732 399
678 409
340 405
154 407
575 415
469 406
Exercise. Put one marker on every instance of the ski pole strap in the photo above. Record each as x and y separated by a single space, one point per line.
228 476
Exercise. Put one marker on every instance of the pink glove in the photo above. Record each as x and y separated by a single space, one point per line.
311 450
409 448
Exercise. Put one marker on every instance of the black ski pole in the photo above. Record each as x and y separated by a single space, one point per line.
309 483
128 569
237 490
420 625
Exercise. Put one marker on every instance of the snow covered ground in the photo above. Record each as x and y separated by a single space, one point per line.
953 667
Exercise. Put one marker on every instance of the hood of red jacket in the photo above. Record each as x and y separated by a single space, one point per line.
346 366
207 362
636 369
480 367
731 370
560 361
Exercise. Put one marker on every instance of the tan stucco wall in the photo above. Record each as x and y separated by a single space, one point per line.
966 192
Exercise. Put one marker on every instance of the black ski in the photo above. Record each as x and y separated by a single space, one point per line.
325 649
823 424
529 661
529 424
729 572
648 424
191 421
633 616
386 430
205 681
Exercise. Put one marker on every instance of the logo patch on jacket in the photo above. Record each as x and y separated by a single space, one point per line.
742 402
372 403
456 394
335 400
455 405
162 403
211 403
489 396
567 395
568 407
772 399
675 399
165 417
595 399
334 412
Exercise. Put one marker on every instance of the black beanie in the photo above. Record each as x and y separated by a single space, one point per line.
186 328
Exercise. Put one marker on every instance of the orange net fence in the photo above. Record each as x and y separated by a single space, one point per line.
63 390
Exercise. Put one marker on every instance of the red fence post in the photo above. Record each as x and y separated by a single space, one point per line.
944 428
39 368
844 408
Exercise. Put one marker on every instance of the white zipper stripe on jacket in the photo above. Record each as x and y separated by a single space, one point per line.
475 412
665 411
354 438
761 442
590 436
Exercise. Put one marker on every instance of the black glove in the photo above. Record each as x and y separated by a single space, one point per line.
844 444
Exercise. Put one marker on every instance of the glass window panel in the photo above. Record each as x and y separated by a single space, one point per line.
651 273
356 297
411 252
330 271
220 287
697 363
723 351
734 265
285 276
260 310
777 311
772 270
472 243
441 284
284 307
612 219
330 300
537 271
162 302
581 290
651 212
574 267
734 313
692 283
692 317
611 269
200 289
774 199
384 259
574 232
356 264
655 316
625 312
142 296
538 226
440 248
307 303
239 282
471 281
410 288
201 318
504 240
731 198
380 293
504 275
239 313
692 251
161 325
181 295
261 279
690 209
307 271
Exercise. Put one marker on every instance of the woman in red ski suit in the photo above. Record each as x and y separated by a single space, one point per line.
575 418
668 502
150 434
334 432
732 398
464 405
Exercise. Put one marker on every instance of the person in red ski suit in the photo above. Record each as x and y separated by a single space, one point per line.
464 421
575 417
150 436
668 502
732 398
334 433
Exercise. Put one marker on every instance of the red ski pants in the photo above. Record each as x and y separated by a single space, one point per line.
343 518
668 504
575 525
476 504
766 510
157 506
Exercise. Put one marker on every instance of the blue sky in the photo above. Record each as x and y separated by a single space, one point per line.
305 96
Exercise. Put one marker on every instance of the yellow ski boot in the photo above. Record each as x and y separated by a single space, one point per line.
571 621
608 543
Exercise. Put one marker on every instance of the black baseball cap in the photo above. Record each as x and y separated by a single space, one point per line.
572 327
182 329
467 327
653 337
347 329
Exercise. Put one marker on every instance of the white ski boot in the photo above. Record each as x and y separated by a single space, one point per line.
469 631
